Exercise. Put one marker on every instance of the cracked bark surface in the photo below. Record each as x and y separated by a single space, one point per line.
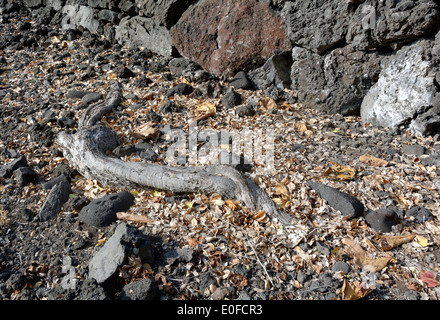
86 152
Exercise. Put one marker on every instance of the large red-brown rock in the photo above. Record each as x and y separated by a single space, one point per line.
229 35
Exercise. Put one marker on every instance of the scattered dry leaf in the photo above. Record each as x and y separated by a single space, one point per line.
205 110
354 291
261 216
133 217
373 161
193 242
387 243
339 172
267 103
361 258
233 204
147 132
281 190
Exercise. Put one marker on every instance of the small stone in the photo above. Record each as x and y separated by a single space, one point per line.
7 170
382 219
241 81
420 214
348 205
245 111
146 289
303 276
416 150
91 98
77 94
123 72
169 106
24 175
222 293
48 185
180 89
106 262
231 99
102 212
179 254
341 266
55 200
142 82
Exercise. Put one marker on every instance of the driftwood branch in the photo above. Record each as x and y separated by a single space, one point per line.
86 151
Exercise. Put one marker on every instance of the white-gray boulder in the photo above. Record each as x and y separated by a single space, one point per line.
77 15
144 32
405 91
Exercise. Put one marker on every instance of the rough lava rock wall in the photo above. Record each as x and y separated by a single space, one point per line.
374 58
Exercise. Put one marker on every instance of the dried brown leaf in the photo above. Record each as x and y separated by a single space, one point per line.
387 243
373 161
354 291
339 172
268 103
205 110
147 131
133 217
261 216
361 257
282 190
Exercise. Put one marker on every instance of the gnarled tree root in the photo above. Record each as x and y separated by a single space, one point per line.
86 151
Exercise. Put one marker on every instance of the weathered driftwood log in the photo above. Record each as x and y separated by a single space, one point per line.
86 150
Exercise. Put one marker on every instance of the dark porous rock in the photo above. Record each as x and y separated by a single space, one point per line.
179 255
231 99
179 66
77 94
57 197
382 219
169 106
65 169
146 289
180 89
102 212
276 71
24 175
76 203
142 82
337 82
320 26
241 81
123 72
125 241
49 184
348 205
91 97
87 289
420 214
8 169
245 110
